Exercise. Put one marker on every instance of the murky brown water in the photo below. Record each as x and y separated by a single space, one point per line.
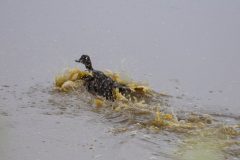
189 49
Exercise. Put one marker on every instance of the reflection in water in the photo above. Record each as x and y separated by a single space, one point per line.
201 150
211 143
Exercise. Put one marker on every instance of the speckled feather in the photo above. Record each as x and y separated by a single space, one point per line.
99 83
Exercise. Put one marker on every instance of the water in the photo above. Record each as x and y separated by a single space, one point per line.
189 49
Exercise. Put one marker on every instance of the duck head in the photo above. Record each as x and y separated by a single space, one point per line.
85 59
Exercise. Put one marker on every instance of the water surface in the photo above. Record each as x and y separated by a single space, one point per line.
189 49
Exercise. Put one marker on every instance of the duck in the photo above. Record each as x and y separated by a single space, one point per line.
99 83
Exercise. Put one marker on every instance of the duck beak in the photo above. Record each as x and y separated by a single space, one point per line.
79 61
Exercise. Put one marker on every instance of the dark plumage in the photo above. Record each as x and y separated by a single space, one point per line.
99 83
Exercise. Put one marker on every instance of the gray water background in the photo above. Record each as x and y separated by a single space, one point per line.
188 48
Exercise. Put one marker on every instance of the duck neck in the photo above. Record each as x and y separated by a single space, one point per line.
89 66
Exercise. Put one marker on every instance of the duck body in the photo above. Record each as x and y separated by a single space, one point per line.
99 83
